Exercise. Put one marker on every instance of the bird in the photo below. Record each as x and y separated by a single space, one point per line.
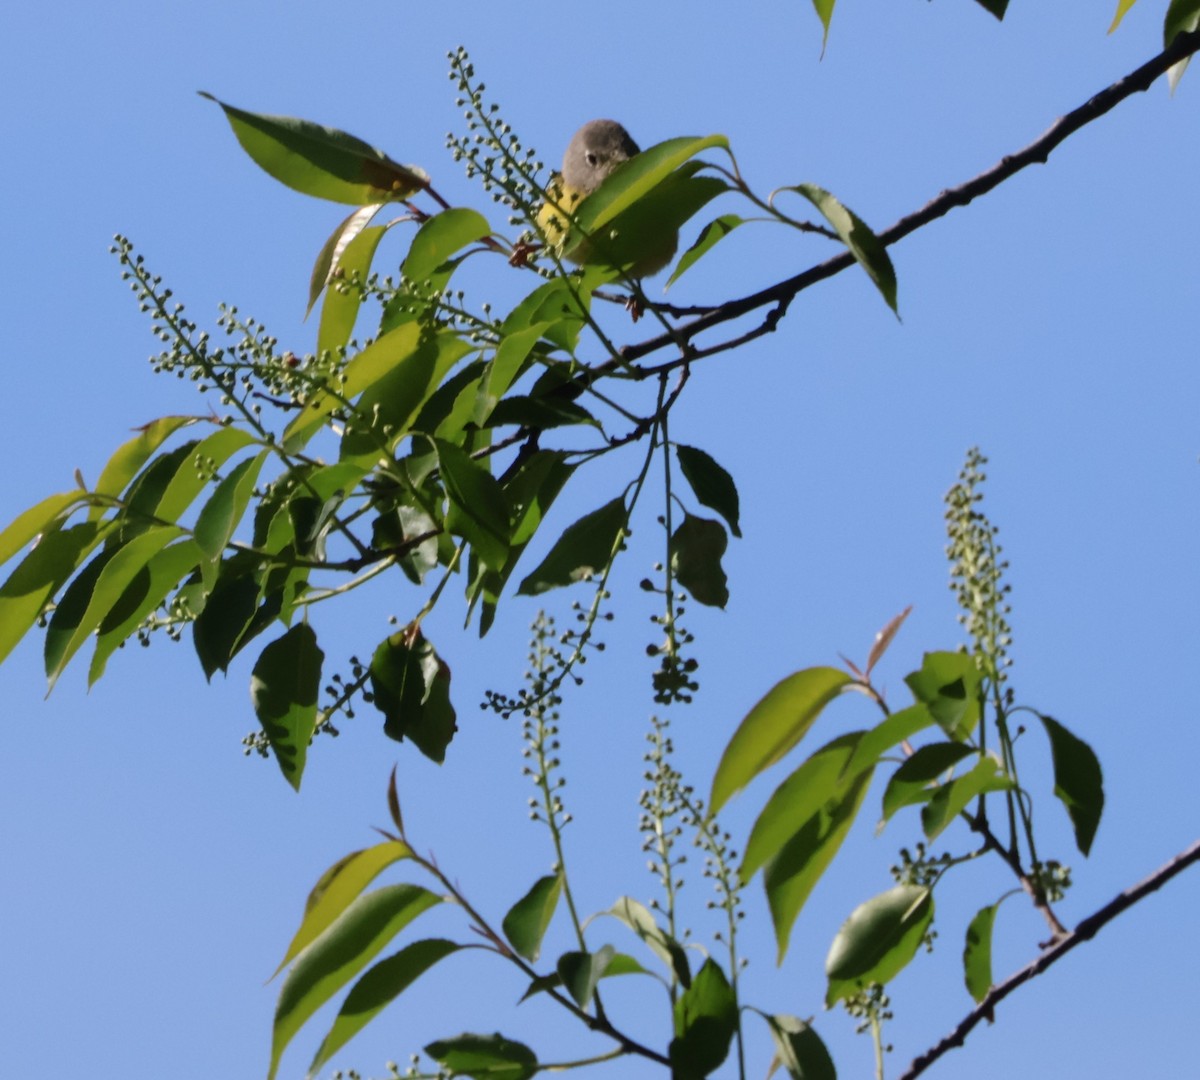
595 151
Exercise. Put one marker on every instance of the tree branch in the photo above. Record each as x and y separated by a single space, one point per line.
1085 931
1037 152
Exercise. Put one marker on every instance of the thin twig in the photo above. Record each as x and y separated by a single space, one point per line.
1037 152
1085 931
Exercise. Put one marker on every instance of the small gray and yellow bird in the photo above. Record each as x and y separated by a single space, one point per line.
593 153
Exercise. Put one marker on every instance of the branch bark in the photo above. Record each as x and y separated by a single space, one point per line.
1085 931
1037 152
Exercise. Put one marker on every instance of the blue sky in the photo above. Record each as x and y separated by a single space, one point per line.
153 876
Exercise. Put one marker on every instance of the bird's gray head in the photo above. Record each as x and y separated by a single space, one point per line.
594 151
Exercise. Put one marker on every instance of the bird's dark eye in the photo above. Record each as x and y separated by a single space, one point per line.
592 159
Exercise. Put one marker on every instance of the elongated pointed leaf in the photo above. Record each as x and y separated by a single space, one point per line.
977 954
822 778
443 235
799 1049
773 727
619 964
638 176
284 689
639 919
76 619
147 589
35 520
878 940
485 1057
888 733
483 512
40 575
223 512
337 888
377 989
952 798
526 922
1078 781
584 549
321 161
340 953
1122 7
385 354
194 472
131 456
579 972
705 1023
910 782
711 484
340 311
791 876
824 10
864 245
994 7
712 233
330 256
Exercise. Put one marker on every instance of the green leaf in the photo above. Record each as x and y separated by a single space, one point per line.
131 456
441 236
994 7
479 508
378 360
799 1049
194 472
411 687
711 484
706 1017
977 954
716 230
878 940
952 798
824 10
393 403
142 595
284 689
822 778
620 964
39 575
221 514
526 922
1122 7
581 971
696 548
508 364
485 1057
638 176
775 725
910 782
321 161
1078 781
336 890
329 258
541 413
352 265
864 245
791 876
35 520
585 549
638 918
168 473
1182 18
92 595
339 954
948 683
888 733
218 631
378 988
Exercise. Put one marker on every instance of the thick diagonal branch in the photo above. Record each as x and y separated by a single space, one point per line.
1085 931
1037 152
